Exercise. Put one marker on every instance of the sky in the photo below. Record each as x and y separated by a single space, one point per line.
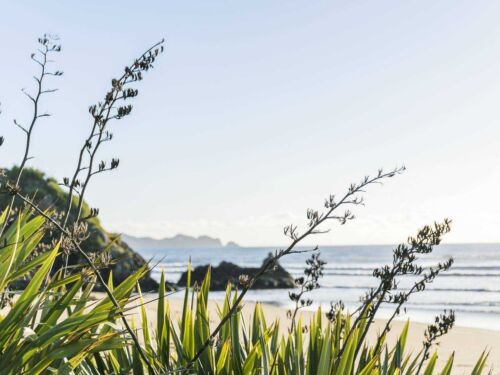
259 110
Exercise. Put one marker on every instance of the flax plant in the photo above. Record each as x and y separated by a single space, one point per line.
111 108
257 346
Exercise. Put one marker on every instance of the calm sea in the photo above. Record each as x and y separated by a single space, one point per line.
471 287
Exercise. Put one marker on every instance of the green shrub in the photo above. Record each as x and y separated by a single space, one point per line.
259 348
53 325
50 324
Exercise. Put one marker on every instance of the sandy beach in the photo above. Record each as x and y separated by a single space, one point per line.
468 343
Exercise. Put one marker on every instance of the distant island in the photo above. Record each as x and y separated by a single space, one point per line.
179 241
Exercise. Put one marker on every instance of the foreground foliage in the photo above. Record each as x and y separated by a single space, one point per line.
50 324
258 347
55 326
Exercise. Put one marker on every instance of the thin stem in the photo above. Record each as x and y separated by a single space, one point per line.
28 131
394 314
422 360
353 190
297 307
370 321
101 118
365 307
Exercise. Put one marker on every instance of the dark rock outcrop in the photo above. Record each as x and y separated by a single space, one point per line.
276 278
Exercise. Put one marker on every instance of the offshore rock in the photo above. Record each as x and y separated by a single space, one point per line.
225 272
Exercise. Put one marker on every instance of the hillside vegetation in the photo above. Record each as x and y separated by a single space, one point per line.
48 195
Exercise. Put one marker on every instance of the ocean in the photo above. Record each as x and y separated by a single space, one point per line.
471 287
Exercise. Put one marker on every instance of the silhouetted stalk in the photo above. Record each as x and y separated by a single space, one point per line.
315 220
417 287
362 310
102 113
313 272
368 324
442 324
404 263
48 47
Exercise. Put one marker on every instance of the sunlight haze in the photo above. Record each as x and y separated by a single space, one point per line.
260 110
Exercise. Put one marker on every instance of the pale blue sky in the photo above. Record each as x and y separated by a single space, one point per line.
258 110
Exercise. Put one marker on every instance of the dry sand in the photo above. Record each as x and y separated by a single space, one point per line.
468 343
